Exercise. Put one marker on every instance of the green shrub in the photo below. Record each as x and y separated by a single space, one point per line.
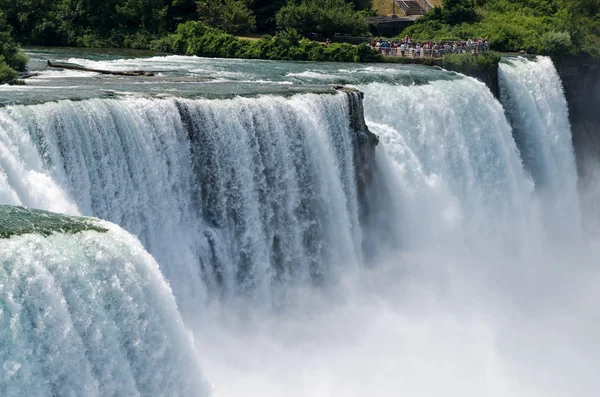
326 17
548 27
231 16
456 12
11 56
365 53
7 74
194 38
471 64
556 43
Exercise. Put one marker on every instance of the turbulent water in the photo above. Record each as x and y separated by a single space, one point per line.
460 170
228 195
461 270
90 314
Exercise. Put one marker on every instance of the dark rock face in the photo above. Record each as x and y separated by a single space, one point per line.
489 76
581 81
364 143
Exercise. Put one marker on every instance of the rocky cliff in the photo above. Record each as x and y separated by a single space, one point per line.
581 80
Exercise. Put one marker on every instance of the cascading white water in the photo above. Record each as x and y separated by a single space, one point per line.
533 98
457 167
475 254
464 294
23 178
89 314
229 195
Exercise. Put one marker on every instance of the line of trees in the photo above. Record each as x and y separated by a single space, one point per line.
134 23
551 27
195 38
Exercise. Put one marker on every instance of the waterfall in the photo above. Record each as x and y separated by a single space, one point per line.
231 197
454 161
88 314
304 261
476 225
534 101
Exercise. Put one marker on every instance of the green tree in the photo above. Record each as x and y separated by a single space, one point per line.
11 56
265 11
455 12
231 16
326 17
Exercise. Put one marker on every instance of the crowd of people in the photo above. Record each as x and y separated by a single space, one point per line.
429 49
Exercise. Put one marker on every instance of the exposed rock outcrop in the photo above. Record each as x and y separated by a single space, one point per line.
364 140
581 81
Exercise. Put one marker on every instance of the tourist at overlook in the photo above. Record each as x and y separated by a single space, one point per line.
429 49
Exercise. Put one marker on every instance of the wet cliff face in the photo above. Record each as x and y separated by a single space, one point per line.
581 81
364 142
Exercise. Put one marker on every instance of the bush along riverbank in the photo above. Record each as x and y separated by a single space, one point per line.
12 59
483 67
195 38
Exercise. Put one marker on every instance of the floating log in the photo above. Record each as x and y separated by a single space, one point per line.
71 66
23 76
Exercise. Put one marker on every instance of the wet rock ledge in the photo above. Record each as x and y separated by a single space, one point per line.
364 141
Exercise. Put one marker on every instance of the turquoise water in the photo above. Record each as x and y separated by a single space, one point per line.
194 77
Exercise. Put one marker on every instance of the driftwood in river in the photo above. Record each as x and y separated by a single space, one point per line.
84 69
23 76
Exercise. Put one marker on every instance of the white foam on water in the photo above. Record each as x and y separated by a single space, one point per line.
90 314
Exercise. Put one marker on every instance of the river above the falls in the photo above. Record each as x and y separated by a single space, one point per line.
193 77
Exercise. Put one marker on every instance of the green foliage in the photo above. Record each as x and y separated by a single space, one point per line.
11 56
471 64
231 16
456 12
7 74
483 67
326 17
141 23
265 11
195 38
552 27
453 12
557 43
